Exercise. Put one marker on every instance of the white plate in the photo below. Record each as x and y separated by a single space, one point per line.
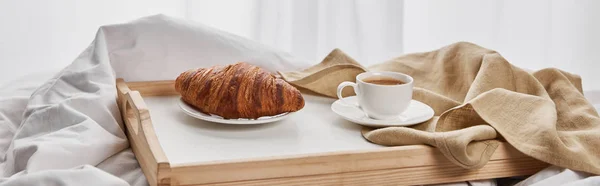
416 113
189 110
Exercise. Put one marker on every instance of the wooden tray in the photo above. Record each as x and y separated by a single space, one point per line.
311 147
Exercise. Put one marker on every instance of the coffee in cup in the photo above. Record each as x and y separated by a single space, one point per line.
383 80
381 95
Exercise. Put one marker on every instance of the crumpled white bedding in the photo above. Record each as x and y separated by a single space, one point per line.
118 169
65 128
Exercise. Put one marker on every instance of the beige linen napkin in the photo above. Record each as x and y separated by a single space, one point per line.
479 98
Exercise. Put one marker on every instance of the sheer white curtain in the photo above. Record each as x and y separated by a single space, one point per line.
40 36
531 34
369 31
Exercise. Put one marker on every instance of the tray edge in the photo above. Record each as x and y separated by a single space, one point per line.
245 171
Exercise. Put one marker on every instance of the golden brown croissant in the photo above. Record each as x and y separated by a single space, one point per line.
238 90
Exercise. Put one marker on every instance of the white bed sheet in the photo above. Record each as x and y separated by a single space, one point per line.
119 169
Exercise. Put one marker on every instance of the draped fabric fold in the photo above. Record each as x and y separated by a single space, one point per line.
480 99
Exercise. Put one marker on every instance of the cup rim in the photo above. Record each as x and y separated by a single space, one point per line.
409 83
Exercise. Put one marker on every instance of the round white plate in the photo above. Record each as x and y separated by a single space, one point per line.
189 110
416 112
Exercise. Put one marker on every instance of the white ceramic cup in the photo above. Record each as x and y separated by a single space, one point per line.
381 101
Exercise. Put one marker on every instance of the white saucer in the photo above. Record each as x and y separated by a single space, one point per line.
416 112
189 110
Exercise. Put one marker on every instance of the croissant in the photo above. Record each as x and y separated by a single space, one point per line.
238 90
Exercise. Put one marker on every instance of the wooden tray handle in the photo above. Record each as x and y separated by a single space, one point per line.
133 108
135 111
141 134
